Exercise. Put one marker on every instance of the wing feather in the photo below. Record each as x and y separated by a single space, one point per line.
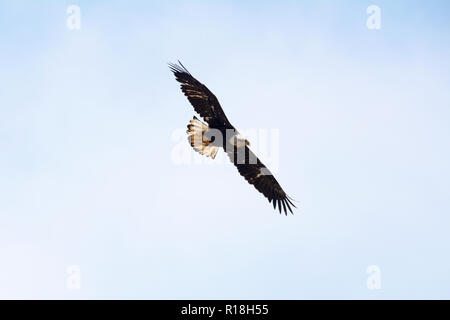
201 98
262 179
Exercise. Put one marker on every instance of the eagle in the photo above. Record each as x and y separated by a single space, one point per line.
207 138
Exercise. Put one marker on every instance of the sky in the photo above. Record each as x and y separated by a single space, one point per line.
95 202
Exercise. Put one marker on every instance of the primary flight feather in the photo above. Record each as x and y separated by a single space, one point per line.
218 133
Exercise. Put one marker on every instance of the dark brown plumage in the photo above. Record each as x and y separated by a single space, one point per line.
208 107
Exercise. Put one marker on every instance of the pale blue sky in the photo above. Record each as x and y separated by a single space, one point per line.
87 179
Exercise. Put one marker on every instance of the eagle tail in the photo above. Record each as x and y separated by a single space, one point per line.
196 131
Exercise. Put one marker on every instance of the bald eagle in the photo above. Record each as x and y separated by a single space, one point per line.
207 138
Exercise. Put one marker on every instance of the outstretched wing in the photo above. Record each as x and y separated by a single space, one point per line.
257 174
204 101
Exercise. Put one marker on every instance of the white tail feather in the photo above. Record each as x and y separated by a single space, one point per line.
196 131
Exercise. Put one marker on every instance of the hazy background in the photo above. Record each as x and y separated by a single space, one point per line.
86 170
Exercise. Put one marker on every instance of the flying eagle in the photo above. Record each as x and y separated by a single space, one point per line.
218 133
